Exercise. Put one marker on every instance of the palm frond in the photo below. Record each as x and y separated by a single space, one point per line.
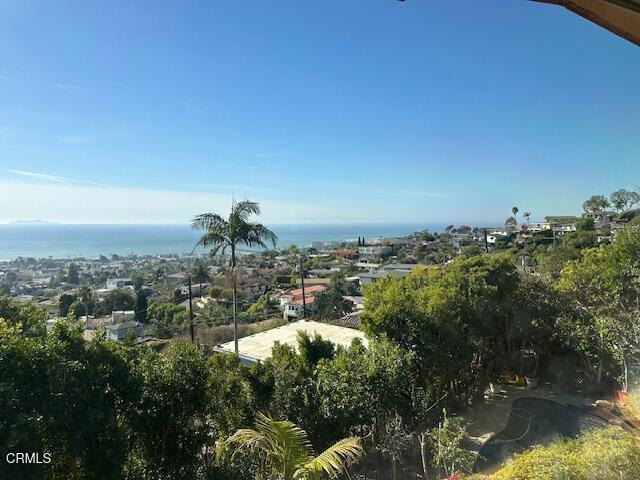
200 273
288 444
333 460
257 235
285 447
219 249
249 440
285 434
211 239
244 209
216 231
208 221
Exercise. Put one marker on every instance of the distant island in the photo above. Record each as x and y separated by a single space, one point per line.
32 222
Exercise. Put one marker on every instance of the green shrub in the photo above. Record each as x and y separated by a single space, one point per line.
605 454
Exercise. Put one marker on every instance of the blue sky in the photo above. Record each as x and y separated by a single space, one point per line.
327 111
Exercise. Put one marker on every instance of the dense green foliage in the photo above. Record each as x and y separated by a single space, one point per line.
166 319
330 304
603 287
104 410
116 300
460 321
435 339
64 303
107 410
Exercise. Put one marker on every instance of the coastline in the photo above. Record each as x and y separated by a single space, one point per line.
66 241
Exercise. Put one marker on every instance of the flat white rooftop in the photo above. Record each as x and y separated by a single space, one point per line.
258 347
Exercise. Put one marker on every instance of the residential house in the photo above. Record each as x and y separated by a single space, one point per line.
95 323
351 320
254 287
293 302
492 238
367 278
320 272
398 267
291 295
346 253
120 331
606 216
118 283
308 281
560 224
295 308
197 289
178 277
356 301
375 251
370 266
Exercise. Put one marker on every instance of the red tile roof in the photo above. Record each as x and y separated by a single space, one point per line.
312 289
310 299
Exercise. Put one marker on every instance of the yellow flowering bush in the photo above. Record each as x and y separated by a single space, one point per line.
607 454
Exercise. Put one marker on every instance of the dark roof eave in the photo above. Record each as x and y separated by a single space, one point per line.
608 23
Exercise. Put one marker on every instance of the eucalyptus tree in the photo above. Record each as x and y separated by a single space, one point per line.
228 234
596 204
603 289
623 200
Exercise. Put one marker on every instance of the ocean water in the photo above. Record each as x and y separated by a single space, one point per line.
67 241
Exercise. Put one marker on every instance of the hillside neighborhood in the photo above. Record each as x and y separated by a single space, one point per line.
277 286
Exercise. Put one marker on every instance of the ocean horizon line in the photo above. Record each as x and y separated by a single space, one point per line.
44 223
61 241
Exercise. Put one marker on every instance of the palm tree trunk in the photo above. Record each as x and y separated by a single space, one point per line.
235 298
423 453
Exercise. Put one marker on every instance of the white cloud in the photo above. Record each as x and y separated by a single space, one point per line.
54 178
42 176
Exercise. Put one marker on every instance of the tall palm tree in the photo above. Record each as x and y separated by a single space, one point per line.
526 216
227 234
85 295
200 273
288 454
515 211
